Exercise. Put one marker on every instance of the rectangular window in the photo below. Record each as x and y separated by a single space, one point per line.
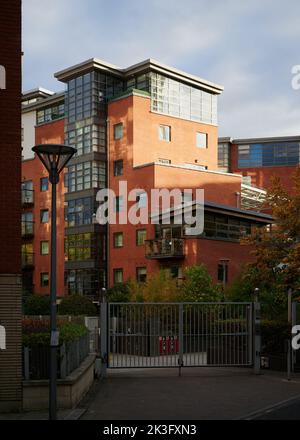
44 215
118 276
44 279
141 274
44 184
44 247
201 140
118 239
142 199
223 272
118 168
164 133
119 204
141 235
118 131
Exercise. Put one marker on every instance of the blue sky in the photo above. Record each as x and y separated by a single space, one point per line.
248 46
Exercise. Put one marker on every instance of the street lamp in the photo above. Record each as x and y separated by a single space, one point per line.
54 158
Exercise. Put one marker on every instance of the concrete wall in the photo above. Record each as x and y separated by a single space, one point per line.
28 127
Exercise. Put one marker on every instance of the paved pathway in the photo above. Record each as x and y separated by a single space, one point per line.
200 394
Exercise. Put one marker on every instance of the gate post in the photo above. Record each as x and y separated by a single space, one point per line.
256 337
180 358
103 337
294 322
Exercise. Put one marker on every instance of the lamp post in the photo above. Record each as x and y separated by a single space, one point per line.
54 158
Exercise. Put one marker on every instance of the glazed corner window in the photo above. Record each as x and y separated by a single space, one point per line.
119 204
44 247
118 239
44 215
164 133
141 274
118 131
44 184
141 235
44 279
118 276
201 140
118 168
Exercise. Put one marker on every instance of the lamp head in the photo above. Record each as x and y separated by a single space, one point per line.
54 157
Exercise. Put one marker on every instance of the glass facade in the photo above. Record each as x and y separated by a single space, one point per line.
85 281
222 227
268 154
223 156
87 139
177 99
80 212
50 114
82 247
86 175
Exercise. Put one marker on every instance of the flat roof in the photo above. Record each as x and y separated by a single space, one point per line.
260 140
53 99
143 66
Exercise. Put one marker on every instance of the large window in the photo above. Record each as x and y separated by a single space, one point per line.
80 247
50 114
80 212
176 99
268 154
222 227
90 138
85 281
85 176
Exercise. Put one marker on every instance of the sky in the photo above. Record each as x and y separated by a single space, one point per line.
248 46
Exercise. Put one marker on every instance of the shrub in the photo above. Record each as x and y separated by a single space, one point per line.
38 332
118 293
37 305
76 305
159 287
198 286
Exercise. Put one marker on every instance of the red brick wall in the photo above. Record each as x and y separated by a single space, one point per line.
10 138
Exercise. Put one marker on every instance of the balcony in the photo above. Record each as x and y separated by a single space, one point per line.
27 260
27 229
27 197
165 248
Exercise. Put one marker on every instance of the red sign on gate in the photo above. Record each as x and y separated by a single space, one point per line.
168 345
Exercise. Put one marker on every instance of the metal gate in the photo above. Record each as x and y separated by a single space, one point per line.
157 335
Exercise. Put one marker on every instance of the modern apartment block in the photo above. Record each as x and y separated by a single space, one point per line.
151 126
257 159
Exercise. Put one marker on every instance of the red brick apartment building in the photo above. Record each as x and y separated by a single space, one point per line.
152 126
257 159
10 205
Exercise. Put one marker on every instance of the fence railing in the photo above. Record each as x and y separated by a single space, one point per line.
36 359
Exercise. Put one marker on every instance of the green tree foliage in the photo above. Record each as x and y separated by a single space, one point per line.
75 305
159 287
120 292
198 286
37 305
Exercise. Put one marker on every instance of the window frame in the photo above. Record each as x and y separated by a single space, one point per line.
115 235
115 128
41 247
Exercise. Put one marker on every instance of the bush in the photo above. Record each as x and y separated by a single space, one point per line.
118 293
76 305
159 287
37 305
198 286
274 334
37 332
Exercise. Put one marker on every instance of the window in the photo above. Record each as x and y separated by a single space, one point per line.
85 281
118 131
81 247
164 133
118 239
44 215
44 247
119 204
50 114
118 168
86 175
223 272
141 235
201 140
27 223
269 154
87 139
80 211
118 276
142 199
223 156
222 227
141 274
44 279
44 184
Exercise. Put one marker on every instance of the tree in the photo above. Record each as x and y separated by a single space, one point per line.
159 287
198 286
120 292
76 305
37 305
277 252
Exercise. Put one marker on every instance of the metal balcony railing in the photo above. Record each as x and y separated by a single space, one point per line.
27 260
165 248
27 197
27 229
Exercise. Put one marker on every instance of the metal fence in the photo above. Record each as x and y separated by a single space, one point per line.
149 335
36 359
